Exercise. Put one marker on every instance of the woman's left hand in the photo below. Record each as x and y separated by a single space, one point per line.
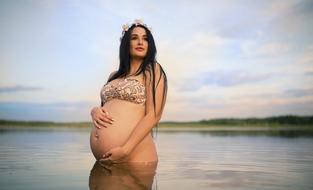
114 155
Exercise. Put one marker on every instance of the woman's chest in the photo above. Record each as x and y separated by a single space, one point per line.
128 89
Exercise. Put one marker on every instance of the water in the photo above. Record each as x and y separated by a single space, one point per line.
61 159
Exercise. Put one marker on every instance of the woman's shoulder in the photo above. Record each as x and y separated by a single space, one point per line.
158 73
157 68
112 73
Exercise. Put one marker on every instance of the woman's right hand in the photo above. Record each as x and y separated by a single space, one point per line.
100 117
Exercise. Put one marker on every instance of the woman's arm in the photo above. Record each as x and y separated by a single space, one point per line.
150 119
99 115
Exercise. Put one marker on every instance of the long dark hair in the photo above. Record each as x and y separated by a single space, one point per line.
149 63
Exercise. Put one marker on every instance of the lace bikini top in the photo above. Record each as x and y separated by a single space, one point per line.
128 89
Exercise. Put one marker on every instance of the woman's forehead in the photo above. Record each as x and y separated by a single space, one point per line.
139 31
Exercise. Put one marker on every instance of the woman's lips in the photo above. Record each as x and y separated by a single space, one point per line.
139 49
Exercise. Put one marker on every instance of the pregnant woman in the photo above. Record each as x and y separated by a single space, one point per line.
132 102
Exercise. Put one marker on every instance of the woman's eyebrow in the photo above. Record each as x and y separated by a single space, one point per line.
138 35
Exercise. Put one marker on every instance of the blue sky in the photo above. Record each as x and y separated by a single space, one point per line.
233 58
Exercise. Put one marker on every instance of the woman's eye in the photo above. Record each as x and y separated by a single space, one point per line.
135 38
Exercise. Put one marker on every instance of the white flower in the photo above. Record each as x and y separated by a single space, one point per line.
125 27
138 21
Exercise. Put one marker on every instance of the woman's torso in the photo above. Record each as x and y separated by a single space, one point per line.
124 99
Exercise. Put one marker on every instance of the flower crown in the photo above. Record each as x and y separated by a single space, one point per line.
136 23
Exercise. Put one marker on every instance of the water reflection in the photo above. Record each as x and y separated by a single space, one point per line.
285 133
122 176
61 159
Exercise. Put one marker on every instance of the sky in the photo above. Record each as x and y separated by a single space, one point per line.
223 59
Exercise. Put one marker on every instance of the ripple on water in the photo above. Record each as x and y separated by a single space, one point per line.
63 160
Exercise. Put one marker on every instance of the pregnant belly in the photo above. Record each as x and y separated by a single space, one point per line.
126 115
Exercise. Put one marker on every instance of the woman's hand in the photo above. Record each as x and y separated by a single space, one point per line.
115 155
100 117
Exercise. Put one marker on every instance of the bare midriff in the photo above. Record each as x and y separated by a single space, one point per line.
126 115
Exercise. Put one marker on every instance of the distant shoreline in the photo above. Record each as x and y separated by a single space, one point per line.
288 121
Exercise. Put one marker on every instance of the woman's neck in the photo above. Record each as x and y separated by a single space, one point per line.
134 65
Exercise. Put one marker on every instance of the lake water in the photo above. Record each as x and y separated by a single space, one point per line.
61 159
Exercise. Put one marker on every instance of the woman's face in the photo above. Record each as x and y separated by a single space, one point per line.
138 43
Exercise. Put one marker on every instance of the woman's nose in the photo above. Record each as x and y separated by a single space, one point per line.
140 41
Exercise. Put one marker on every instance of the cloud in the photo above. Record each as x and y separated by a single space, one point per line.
253 48
214 54
19 88
309 73
230 106
307 56
233 78
299 92
221 78
54 111
288 19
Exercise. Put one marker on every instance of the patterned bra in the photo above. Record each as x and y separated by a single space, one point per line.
127 89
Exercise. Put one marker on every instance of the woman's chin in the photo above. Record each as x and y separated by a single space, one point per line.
139 56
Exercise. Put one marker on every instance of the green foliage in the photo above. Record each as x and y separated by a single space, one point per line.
267 121
43 123
287 120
